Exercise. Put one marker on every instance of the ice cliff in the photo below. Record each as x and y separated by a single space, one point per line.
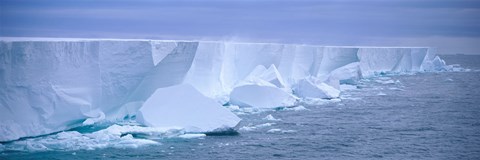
50 85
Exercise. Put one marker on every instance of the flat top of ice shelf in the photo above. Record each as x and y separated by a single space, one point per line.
73 39
38 39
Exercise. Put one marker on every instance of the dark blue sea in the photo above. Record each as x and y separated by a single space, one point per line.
412 116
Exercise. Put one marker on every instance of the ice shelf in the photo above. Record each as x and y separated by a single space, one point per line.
49 85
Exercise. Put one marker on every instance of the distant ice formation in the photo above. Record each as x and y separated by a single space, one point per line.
50 85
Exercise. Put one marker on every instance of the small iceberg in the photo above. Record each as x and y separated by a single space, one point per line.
168 107
271 118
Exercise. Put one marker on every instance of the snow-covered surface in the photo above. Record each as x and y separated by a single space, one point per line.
55 84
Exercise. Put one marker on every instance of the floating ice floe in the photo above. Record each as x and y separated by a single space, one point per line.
262 88
385 81
448 80
192 135
314 102
271 118
261 75
312 88
254 127
436 64
396 89
115 136
261 96
346 87
276 130
347 74
381 94
183 106
296 108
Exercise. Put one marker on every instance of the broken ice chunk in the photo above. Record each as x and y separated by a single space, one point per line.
260 96
437 64
309 88
271 75
183 106
271 118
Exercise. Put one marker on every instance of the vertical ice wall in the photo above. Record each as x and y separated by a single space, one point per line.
49 86
44 84
54 85
336 57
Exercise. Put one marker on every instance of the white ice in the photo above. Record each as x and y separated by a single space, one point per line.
271 118
277 130
261 96
183 106
115 136
312 88
50 85
254 127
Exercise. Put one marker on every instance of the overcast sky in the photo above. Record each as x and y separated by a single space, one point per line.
453 26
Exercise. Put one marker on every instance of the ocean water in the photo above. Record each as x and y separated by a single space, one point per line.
414 116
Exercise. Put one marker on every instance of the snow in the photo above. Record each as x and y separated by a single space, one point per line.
55 84
183 106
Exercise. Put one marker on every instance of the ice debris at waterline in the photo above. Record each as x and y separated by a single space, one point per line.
115 136
51 85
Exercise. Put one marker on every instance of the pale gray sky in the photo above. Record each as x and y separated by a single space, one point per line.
453 26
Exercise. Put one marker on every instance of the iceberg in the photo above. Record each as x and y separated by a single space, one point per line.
53 84
182 106
271 118
436 64
260 96
312 88
262 88
260 74
347 74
